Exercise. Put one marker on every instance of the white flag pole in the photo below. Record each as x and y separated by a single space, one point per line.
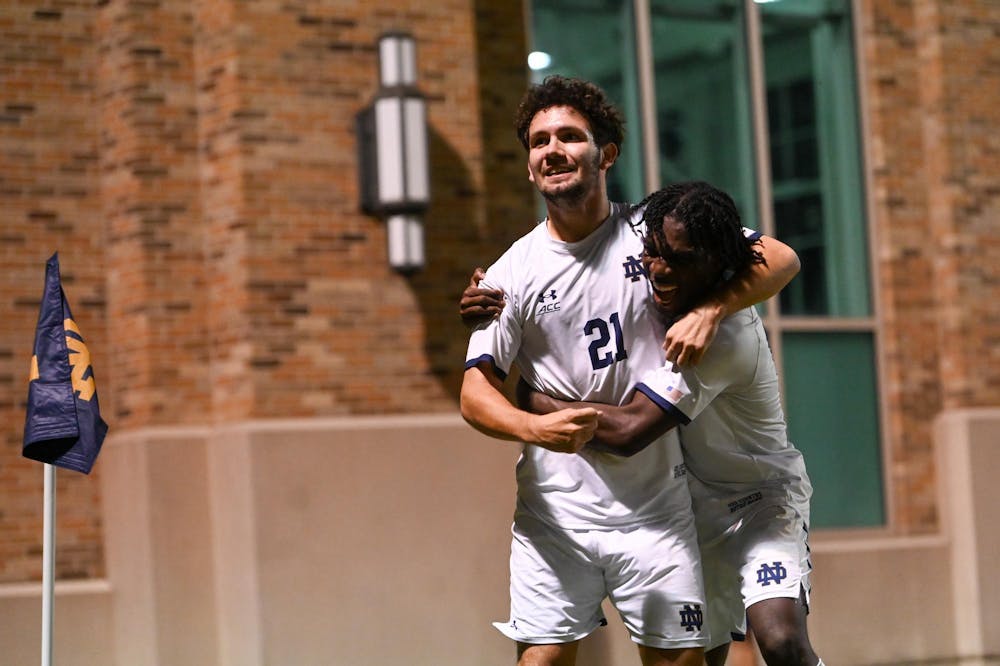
48 562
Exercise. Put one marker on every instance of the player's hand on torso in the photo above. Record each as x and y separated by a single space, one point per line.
565 431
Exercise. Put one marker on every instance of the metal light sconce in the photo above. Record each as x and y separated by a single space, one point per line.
392 143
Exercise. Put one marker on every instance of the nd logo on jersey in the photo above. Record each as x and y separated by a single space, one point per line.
633 269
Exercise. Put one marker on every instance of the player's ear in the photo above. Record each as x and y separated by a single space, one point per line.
531 176
609 153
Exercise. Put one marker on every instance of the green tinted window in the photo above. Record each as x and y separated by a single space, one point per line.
832 412
602 49
814 150
703 98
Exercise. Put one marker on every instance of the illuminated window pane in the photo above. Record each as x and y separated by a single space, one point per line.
702 97
815 163
602 50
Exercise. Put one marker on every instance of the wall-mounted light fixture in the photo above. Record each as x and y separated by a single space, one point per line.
392 145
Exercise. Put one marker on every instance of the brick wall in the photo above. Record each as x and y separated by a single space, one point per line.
49 201
195 164
932 86
149 181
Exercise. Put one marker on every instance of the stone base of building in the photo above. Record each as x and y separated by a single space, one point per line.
385 540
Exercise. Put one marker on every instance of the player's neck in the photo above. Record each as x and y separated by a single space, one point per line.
574 223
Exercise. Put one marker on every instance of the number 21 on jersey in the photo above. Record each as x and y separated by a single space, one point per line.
603 350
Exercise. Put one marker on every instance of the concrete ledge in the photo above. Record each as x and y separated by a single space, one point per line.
968 455
158 537
874 599
385 540
81 623
315 541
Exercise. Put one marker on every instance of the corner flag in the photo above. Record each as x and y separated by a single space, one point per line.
63 424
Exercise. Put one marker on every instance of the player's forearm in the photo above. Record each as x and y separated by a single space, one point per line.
489 411
619 430
620 434
758 283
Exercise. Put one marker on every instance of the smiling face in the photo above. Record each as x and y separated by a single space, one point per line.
564 161
681 275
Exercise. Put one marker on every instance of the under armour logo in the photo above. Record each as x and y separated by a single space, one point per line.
551 306
633 269
771 574
691 617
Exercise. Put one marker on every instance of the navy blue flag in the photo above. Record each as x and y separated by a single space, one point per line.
63 424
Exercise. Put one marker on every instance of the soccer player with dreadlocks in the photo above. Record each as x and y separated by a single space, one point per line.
749 488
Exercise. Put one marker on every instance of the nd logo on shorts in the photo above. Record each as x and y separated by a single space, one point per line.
774 572
691 617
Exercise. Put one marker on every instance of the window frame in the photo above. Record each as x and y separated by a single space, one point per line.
774 321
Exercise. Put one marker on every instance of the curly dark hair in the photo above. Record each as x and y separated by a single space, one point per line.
710 218
606 121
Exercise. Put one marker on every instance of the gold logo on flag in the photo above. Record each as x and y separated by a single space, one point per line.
79 360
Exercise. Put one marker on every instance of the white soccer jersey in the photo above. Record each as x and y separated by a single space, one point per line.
580 324
735 438
749 486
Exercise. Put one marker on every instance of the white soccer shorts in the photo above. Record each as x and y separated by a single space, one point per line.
560 577
753 547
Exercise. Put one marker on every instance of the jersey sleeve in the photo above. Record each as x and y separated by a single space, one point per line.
497 341
692 389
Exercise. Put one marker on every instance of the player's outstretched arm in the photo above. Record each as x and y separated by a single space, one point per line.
689 337
486 409
622 430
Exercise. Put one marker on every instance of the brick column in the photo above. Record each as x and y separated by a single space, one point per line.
931 94
152 209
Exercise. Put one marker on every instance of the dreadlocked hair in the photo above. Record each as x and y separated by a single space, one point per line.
606 121
710 218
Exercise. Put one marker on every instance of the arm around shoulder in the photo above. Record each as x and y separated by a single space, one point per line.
690 336
760 281
782 264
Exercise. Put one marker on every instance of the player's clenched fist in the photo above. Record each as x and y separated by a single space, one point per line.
565 431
